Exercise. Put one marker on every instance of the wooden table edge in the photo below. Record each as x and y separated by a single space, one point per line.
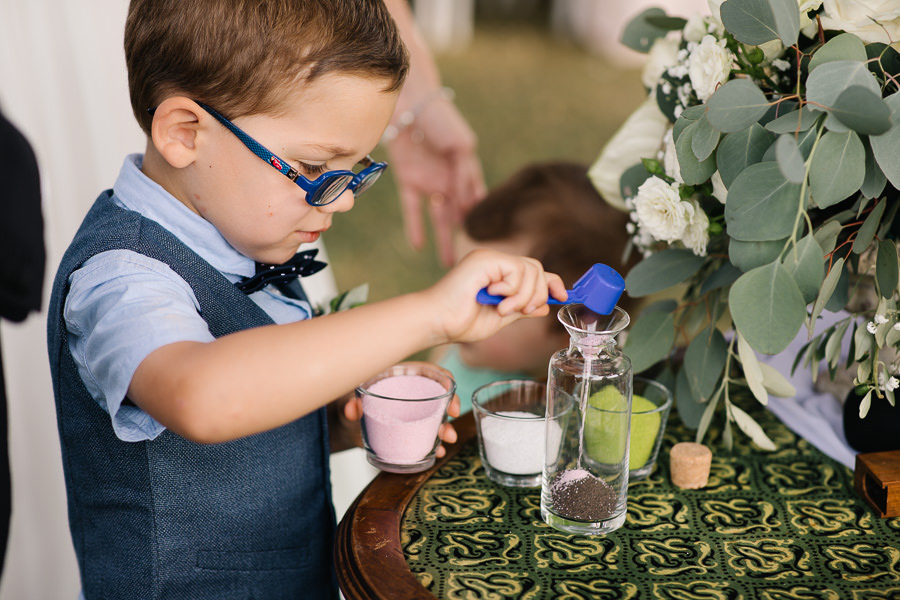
368 556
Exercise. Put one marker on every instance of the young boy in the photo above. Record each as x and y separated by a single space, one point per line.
549 211
190 395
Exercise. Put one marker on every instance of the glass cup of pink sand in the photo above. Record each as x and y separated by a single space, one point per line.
403 410
510 421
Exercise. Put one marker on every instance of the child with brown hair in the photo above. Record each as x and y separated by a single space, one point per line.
552 212
190 381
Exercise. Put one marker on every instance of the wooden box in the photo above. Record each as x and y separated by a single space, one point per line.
877 479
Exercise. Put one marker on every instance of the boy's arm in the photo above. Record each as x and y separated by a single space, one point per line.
262 378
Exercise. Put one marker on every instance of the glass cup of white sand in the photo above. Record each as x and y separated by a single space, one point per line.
510 421
650 404
403 410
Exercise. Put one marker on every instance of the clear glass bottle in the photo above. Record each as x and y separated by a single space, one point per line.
584 486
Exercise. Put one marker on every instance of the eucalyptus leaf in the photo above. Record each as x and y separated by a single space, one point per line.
666 22
829 285
841 294
704 362
741 149
706 418
833 346
806 264
886 268
746 256
649 340
767 307
776 383
845 46
862 110
827 235
704 140
762 205
866 232
838 168
690 409
693 170
865 404
798 120
874 182
806 140
751 428
887 222
885 146
632 179
639 34
736 105
863 343
752 372
756 22
662 270
724 276
826 83
832 123
789 160
666 305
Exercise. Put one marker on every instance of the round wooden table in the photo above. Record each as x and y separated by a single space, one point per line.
368 557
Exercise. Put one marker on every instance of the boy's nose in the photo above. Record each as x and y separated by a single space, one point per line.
343 203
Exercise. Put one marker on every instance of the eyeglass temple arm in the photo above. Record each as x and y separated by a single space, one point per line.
255 147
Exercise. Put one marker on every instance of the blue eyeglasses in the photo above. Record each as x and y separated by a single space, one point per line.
328 186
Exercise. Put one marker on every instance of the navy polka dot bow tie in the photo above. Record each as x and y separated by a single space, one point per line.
302 265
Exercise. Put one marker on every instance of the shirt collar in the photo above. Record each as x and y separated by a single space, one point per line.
141 194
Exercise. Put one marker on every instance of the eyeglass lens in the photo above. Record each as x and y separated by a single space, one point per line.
330 189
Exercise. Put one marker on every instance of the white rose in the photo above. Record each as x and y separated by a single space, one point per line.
808 5
710 66
670 157
696 234
663 54
715 11
660 211
639 137
719 189
694 29
871 20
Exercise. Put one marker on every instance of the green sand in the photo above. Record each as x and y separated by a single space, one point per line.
604 434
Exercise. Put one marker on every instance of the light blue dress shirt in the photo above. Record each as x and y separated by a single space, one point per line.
123 305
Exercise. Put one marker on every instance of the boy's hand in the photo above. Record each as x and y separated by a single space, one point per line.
353 412
521 280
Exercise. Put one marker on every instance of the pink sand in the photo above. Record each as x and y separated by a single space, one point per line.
404 431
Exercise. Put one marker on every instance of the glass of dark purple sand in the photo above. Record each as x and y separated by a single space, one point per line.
584 485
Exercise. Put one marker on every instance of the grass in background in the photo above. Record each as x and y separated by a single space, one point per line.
529 97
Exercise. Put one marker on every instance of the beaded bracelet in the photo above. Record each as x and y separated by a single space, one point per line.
406 119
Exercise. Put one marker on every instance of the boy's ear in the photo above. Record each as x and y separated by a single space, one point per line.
175 129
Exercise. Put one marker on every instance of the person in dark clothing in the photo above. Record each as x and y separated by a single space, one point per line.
21 269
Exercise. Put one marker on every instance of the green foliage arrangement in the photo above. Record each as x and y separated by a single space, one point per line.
762 178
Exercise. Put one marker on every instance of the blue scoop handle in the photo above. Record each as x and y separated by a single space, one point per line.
599 289
484 297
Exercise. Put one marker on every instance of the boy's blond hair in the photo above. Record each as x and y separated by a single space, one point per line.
243 56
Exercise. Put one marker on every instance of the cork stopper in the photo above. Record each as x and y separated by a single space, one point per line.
689 465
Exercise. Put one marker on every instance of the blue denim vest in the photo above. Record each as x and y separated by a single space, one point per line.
169 518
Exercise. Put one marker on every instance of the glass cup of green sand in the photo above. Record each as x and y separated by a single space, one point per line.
650 404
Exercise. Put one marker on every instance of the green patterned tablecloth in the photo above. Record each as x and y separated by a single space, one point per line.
770 525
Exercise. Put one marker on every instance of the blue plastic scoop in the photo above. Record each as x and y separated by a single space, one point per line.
599 289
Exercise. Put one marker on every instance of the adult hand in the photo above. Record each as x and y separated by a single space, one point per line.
435 164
